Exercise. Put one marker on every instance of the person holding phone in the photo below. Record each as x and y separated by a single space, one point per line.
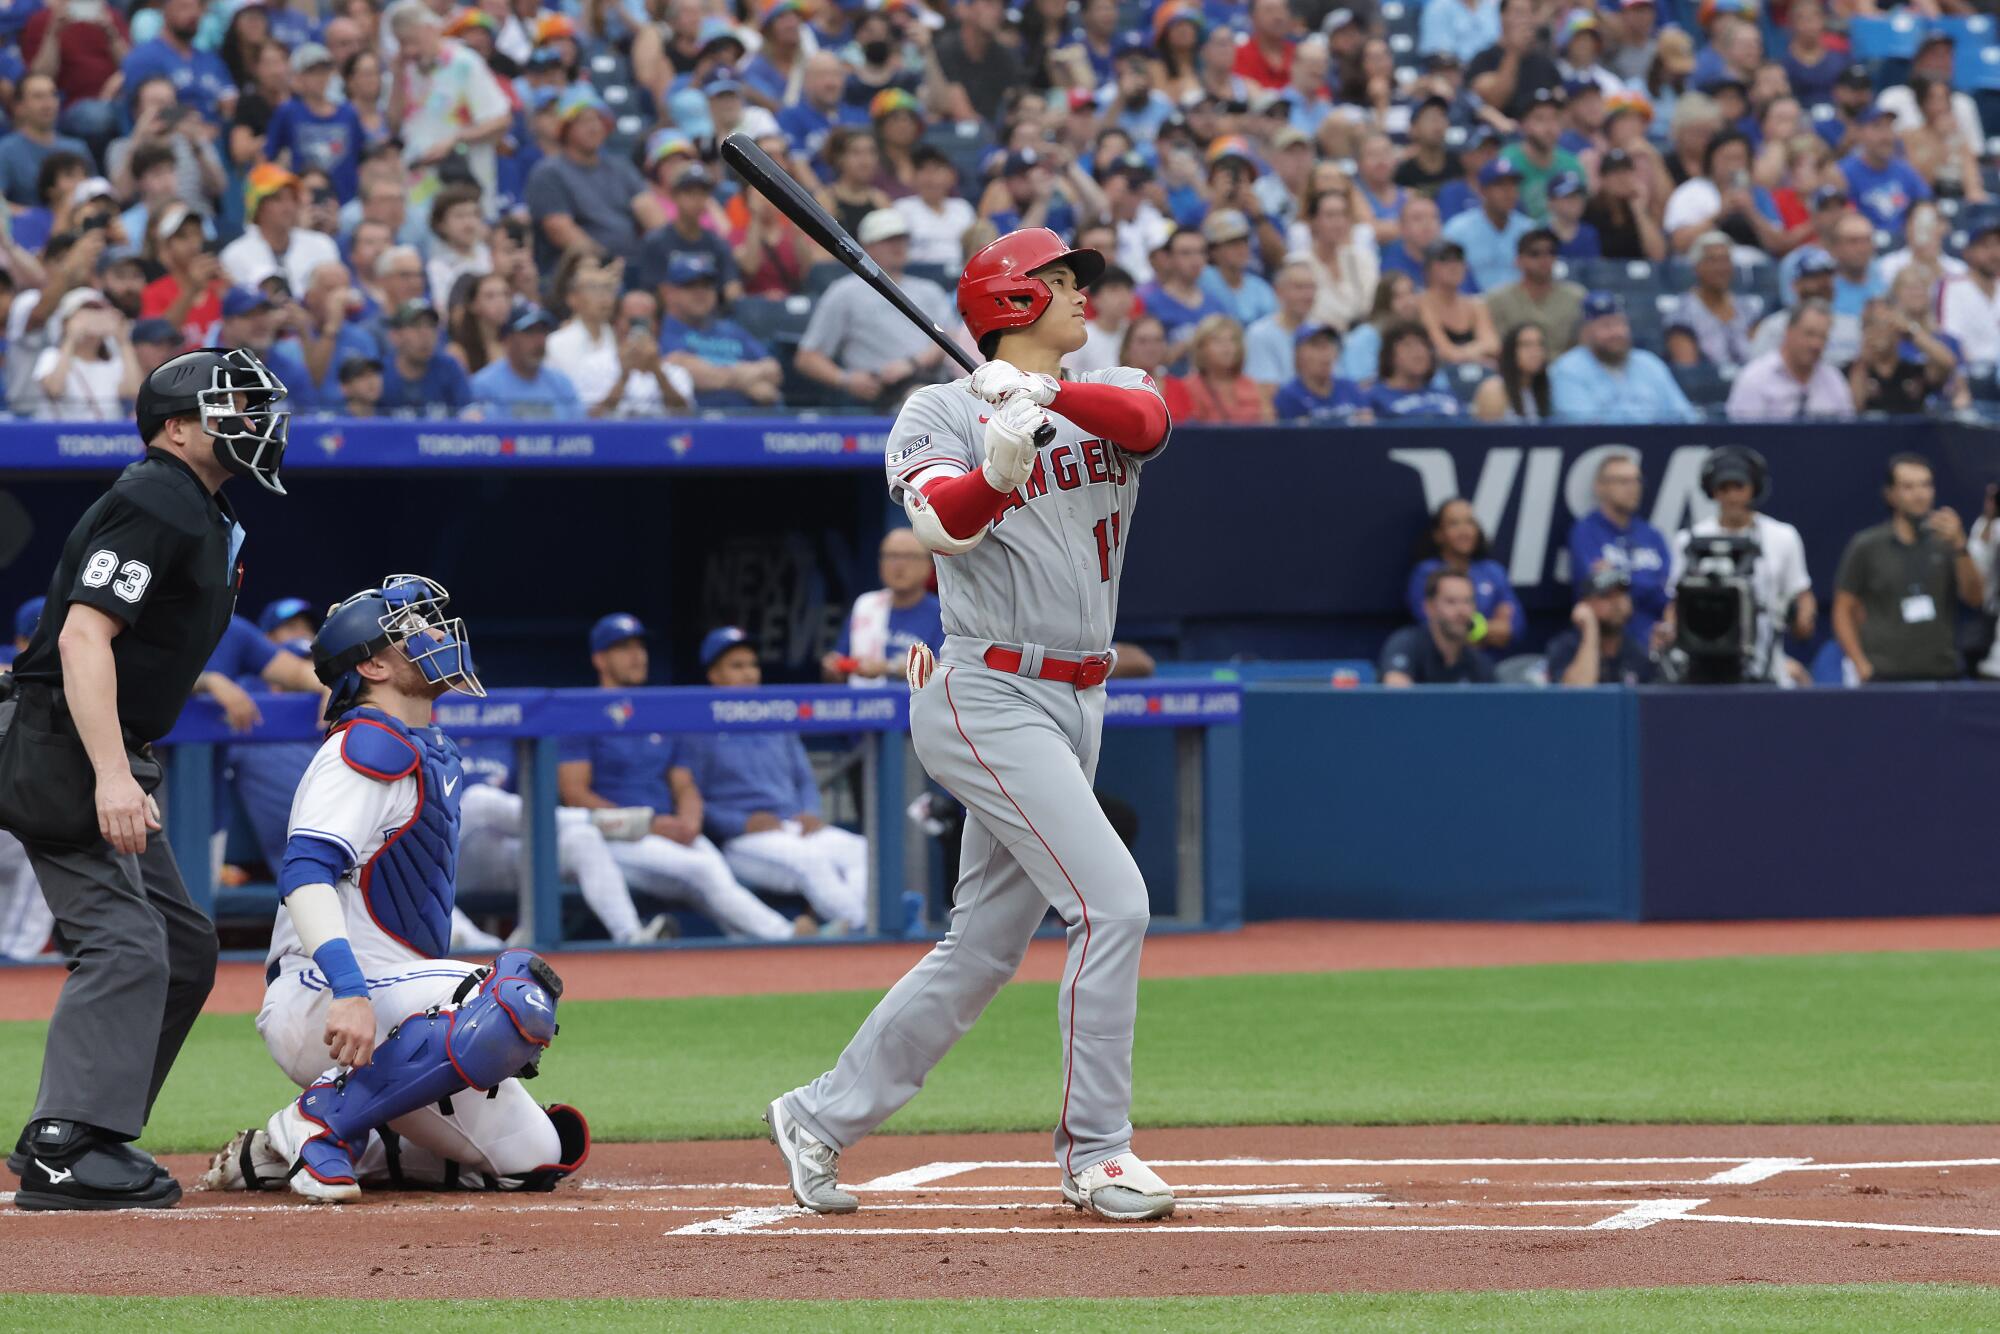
90 41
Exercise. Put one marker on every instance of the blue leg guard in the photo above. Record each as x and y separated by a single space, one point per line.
496 1032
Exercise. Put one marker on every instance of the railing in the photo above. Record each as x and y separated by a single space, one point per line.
1204 714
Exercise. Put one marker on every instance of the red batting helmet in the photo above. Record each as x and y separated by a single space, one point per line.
998 272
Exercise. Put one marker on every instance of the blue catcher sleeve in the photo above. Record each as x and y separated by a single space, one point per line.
497 1032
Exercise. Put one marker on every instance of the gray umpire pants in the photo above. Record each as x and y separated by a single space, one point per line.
141 962
1020 753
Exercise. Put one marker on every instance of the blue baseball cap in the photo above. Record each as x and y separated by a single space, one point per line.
527 316
155 331
284 609
616 628
28 616
243 301
1565 184
1599 304
1499 169
1813 261
690 266
718 642
1310 330
722 82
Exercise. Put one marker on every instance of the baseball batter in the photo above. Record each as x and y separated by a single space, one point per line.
360 1009
1033 534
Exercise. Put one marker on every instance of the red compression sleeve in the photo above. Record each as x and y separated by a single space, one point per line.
965 503
1132 419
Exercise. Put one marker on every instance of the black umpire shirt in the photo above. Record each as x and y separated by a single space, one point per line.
156 552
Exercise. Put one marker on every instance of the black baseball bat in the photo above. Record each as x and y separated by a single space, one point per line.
770 180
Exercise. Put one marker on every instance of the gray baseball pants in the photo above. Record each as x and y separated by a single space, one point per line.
1020 753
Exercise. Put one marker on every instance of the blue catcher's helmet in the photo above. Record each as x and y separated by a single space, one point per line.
407 611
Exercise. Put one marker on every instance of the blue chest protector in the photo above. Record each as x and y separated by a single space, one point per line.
409 883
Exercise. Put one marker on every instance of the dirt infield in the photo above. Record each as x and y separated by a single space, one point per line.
1263 1210
1265 947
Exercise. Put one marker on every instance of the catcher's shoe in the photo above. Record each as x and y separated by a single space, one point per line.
812 1166
247 1162
322 1172
1121 1190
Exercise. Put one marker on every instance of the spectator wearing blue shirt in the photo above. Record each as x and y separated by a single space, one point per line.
1176 296
1227 280
820 109
419 380
1606 379
886 623
1882 184
730 368
200 77
1491 233
1421 229
1575 238
310 129
1462 27
518 384
761 802
1460 194
26 617
264 775
1313 394
33 139
1853 94
1091 50
1811 66
1024 197
242 653
768 76
636 766
1267 344
1460 546
1129 98
1403 386
1614 537
249 319
1857 274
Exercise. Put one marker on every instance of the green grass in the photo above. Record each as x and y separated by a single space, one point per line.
1870 1037
1879 1309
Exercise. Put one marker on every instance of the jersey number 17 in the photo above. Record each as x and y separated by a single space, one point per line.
1107 542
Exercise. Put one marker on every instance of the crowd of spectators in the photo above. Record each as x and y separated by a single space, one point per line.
1645 210
1915 596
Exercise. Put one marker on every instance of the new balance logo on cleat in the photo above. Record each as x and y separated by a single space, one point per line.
1113 1170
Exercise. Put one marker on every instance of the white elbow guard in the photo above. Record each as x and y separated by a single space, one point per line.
930 529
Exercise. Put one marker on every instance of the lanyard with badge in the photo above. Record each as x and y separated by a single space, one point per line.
1918 605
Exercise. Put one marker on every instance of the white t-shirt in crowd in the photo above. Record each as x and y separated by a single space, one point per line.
1693 200
249 259
447 266
90 394
592 366
1099 351
937 237
1972 317
1778 577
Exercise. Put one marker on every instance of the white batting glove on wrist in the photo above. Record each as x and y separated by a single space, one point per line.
1010 442
998 381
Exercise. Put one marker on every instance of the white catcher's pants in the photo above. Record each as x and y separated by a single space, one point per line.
829 867
697 873
25 919
489 855
500 1136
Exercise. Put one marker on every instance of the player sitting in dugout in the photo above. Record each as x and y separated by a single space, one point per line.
760 802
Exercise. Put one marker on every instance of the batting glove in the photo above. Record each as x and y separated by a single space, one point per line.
1010 442
998 381
918 666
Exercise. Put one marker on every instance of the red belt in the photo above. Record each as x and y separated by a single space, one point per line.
1083 674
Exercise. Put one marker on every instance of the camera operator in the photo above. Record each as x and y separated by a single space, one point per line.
1738 480
1895 606
1598 650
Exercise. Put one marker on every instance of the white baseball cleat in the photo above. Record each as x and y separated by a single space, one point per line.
1120 1190
320 1172
813 1166
247 1162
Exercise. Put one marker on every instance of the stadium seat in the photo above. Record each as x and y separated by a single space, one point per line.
937 273
822 276
1465 381
1522 669
966 146
1704 385
1629 277
1402 19
773 322
1893 38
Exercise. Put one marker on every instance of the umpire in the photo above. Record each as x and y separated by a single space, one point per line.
144 589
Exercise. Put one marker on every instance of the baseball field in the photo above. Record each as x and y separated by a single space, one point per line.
1494 1127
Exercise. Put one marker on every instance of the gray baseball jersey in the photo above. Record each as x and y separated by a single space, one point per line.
1021 753
1048 571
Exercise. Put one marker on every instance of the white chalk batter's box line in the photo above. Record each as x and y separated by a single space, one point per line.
731 1219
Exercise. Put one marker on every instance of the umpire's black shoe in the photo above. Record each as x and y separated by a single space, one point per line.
76 1167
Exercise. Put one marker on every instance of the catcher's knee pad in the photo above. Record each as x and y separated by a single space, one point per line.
503 1018
573 1133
